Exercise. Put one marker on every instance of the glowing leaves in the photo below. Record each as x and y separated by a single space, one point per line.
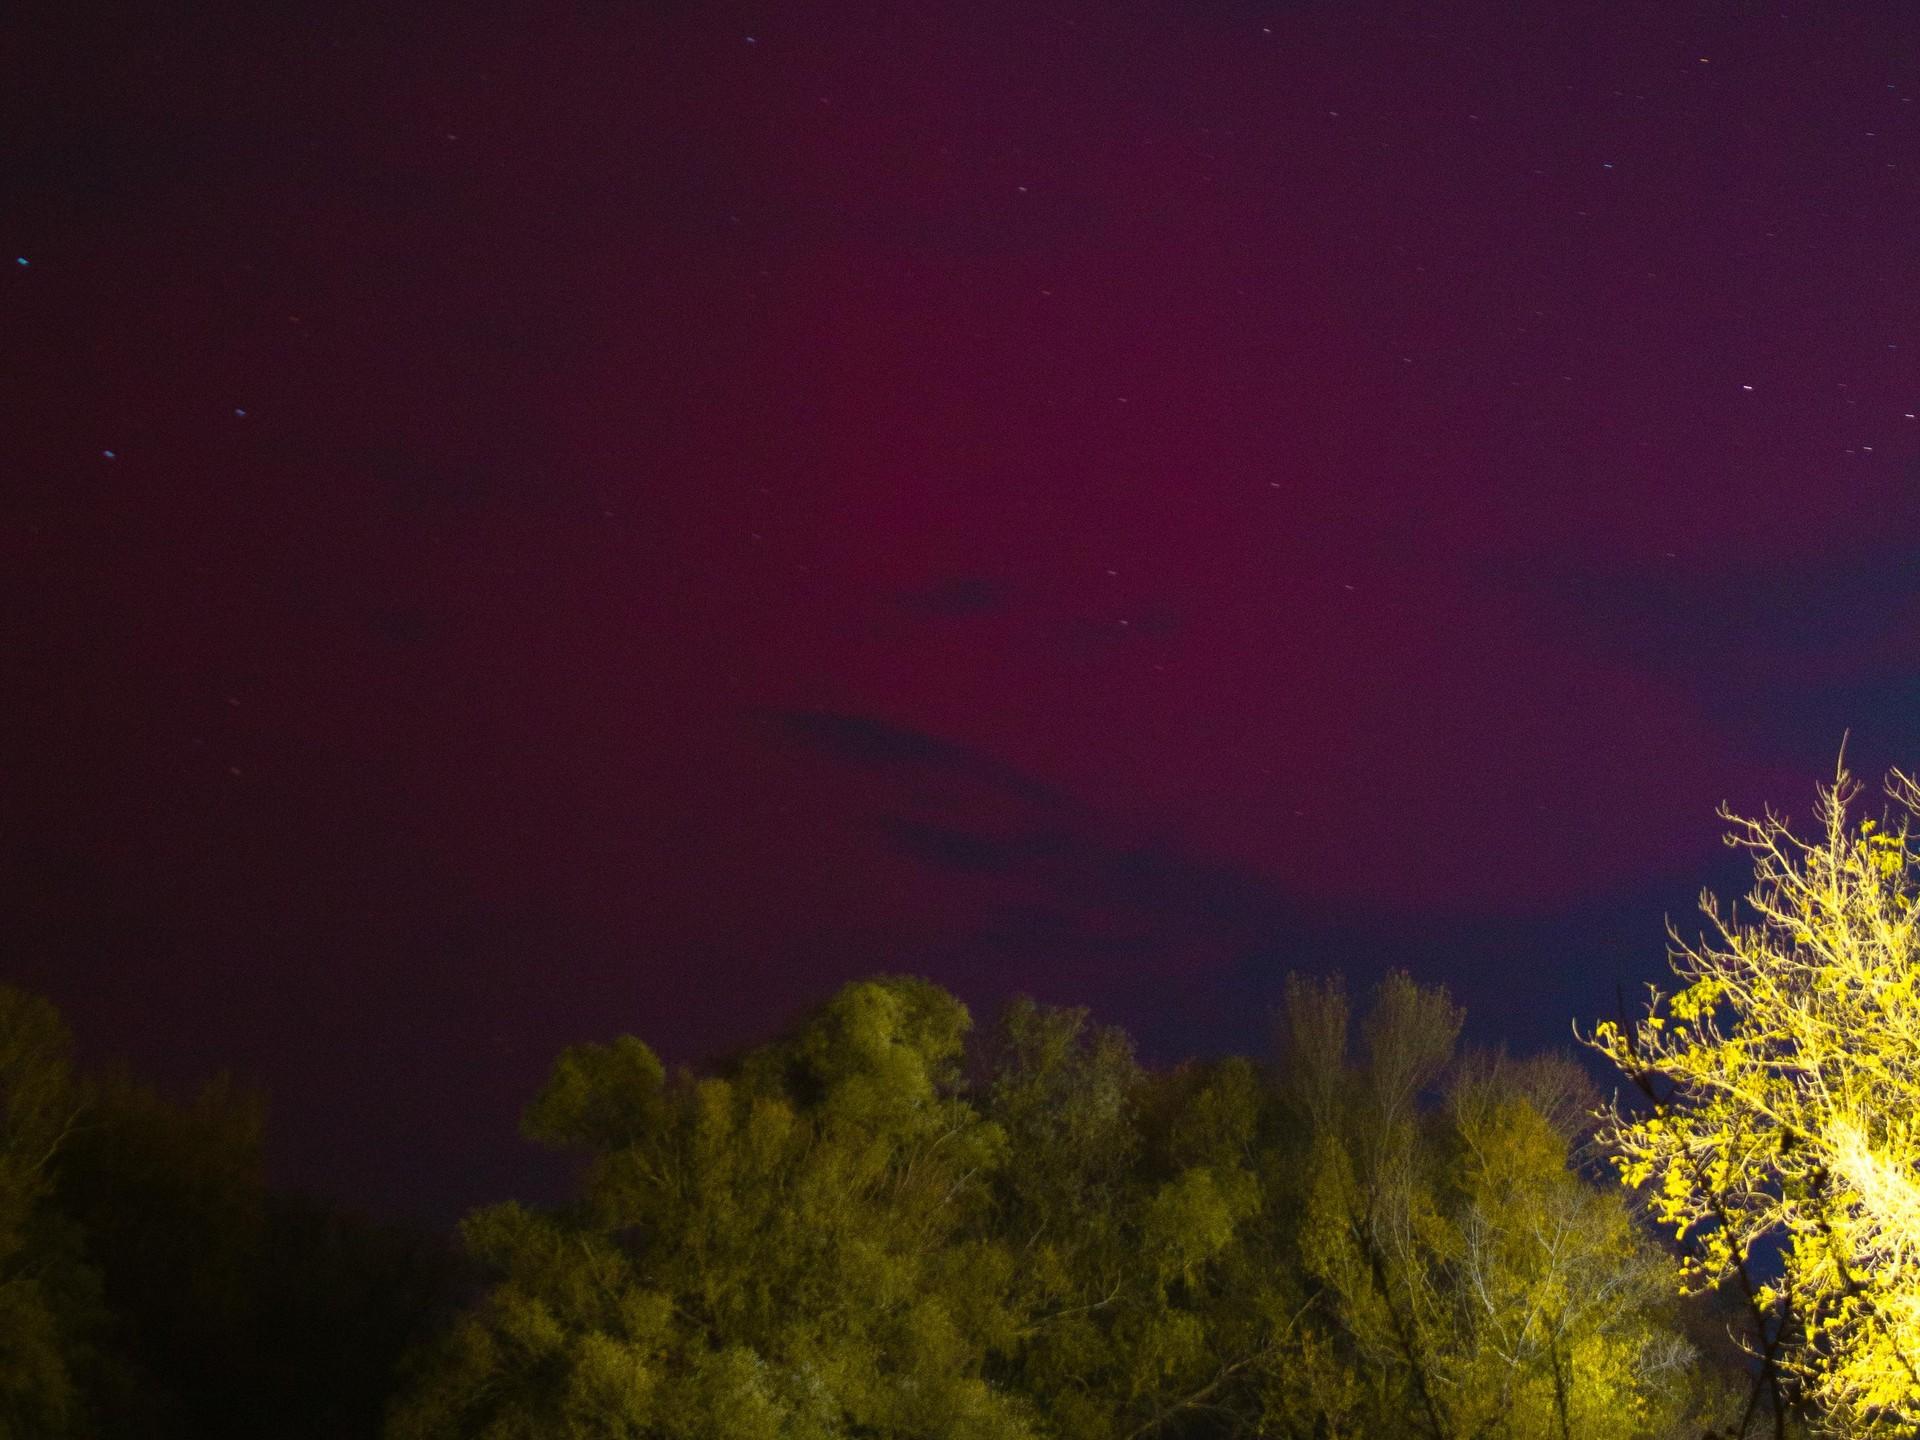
1785 1109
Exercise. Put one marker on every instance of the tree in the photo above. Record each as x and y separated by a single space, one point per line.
1132 1204
1784 1079
1567 1328
1469 1282
338 1301
1065 1095
168 1201
842 1234
48 1296
787 1249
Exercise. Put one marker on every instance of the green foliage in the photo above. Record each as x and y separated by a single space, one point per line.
1131 1203
844 1235
1464 1279
787 1250
866 1231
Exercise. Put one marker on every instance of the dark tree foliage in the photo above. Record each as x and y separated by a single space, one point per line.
170 1202
49 1296
151 1287
339 1301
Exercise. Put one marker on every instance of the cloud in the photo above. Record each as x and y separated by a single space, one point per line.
956 597
1065 884
955 848
1087 906
1674 614
1777 659
873 744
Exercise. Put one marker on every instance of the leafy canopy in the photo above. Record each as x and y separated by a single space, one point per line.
1786 1075
780 1251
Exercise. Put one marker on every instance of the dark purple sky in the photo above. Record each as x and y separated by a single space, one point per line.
527 522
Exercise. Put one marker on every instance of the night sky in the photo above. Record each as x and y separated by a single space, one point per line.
520 523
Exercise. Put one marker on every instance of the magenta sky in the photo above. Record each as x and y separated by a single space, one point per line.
620 517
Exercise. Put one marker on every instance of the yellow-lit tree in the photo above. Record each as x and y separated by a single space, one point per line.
1784 1075
1467 1282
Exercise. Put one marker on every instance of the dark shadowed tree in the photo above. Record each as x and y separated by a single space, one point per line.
48 1295
169 1199
230 1311
339 1301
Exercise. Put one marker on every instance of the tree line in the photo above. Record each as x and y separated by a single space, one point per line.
888 1223
153 1285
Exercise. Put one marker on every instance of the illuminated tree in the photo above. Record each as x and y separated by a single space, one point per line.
1785 1079
1566 1335
1145 1282
785 1251
1470 1282
838 1235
